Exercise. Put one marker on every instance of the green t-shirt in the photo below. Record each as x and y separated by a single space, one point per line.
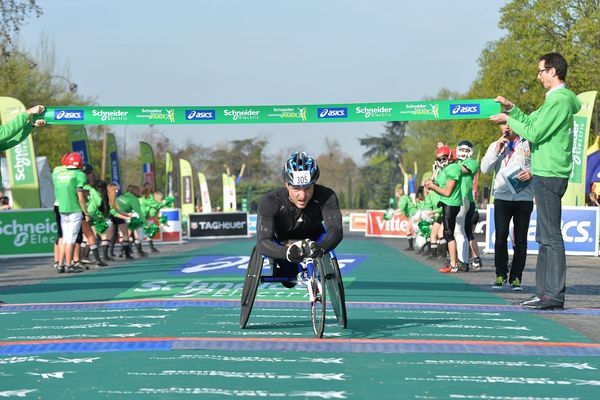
450 172
431 202
466 181
406 206
549 130
67 182
94 200
150 206
128 202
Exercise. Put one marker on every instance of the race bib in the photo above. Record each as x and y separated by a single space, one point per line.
300 178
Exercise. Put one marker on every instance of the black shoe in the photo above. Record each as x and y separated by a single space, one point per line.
101 263
545 303
73 269
288 284
154 250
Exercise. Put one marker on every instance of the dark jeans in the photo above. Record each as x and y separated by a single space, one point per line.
551 267
520 213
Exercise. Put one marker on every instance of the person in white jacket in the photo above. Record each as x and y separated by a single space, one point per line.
510 158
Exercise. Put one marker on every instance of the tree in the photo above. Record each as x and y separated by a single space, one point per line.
339 172
508 66
13 14
386 152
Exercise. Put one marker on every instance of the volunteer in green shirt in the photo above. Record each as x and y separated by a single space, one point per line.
549 132
129 202
447 185
150 208
405 205
68 191
15 131
464 219
431 203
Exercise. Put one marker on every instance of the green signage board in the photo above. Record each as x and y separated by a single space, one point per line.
320 113
30 232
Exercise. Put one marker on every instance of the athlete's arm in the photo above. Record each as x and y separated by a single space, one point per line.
265 229
332 219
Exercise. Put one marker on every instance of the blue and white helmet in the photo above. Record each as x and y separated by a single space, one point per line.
300 170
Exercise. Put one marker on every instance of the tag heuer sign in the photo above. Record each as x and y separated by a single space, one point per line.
216 225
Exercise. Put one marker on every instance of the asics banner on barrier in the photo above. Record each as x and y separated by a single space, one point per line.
356 112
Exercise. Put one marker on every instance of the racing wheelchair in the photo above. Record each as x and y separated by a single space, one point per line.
320 275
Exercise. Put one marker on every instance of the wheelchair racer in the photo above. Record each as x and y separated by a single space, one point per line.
301 210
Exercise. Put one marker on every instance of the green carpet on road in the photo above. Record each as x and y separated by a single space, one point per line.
48 353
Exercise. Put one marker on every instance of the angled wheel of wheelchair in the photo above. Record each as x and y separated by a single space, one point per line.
250 287
335 288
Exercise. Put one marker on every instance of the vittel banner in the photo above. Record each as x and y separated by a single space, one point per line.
29 232
396 226
218 225
579 227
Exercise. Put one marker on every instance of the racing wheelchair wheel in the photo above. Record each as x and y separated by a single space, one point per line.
250 287
335 288
319 304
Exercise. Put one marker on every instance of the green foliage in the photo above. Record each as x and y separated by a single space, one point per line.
339 172
384 154
34 82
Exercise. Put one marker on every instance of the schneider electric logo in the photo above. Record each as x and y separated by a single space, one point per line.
340 112
68 115
464 109
27 234
200 115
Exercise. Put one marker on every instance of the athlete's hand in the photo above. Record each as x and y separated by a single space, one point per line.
312 249
295 252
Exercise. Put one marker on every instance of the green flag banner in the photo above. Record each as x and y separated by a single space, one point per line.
113 156
575 194
169 174
204 194
22 167
187 187
355 112
147 158
229 197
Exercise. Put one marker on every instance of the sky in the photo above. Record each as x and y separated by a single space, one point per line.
264 52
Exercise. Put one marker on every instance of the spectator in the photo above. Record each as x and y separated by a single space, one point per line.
549 132
447 185
510 155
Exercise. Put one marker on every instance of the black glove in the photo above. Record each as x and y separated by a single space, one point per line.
295 252
312 249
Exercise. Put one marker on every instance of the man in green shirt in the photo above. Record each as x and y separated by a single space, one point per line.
447 185
549 132
68 191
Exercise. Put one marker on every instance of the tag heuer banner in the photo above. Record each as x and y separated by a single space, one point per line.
355 112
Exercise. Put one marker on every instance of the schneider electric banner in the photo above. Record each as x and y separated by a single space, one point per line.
579 230
355 112
218 225
27 232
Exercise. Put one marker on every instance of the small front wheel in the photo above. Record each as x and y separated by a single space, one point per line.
318 303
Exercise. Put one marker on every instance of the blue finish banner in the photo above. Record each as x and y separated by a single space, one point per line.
579 231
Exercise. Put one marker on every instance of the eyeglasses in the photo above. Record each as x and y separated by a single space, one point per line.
542 70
